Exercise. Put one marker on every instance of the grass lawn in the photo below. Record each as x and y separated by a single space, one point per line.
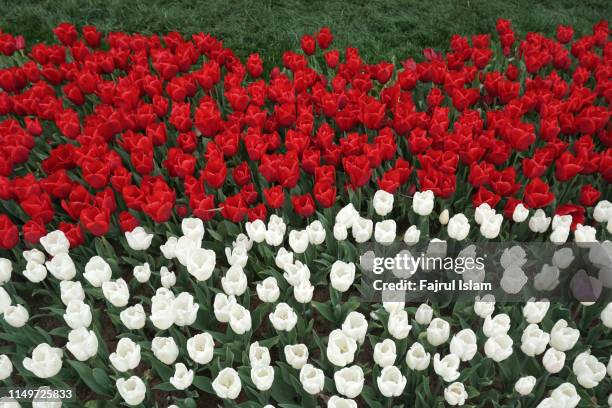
380 29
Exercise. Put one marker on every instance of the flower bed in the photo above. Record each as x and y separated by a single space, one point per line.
183 227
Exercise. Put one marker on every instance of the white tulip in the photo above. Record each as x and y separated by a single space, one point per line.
563 258
455 394
185 310
520 213
559 236
417 358
132 390
283 258
499 324
412 235
562 337
588 370
35 272
6 367
303 292
438 332
126 356
116 292
296 273
268 290
240 319
296 355
55 243
483 211
222 306
458 227
46 361
71 290
262 377
16 316
184 246
362 230
201 263
338 402
382 202
398 325
340 232
491 226
283 317
384 232
539 222
182 377
342 275
349 381
298 241
235 281
447 367
535 311
168 278
391 382
193 228
484 306
82 343
534 340
237 255
6 269
606 315
256 230
168 249
142 273
603 211
423 202
138 239
463 344
61 267
78 314
340 348
499 347
356 326
34 255
162 309
259 356
347 216
312 379
525 385
565 396
385 353
423 314
316 232
165 349
200 348
97 271
553 360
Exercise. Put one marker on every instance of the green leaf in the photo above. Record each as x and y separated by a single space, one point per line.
86 374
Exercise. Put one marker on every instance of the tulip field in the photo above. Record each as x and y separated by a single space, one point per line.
184 224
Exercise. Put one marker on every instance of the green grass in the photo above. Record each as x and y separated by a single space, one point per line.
380 29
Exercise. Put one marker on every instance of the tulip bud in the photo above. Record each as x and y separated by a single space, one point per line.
398 325
562 337
499 347
412 235
55 243
6 367
168 278
438 332
78 314
525 385
116 292
185 310
520 213
606 315
142 273
303 292
424 314
463 344
97 271
240 319
500 324
347 216
340 232
349 381
35 272
539 222
234 282
70 290
193 228
61 267
534 340
458 227
298 241
262 377
362 230
423 202
283 317
340 348
602 211
6 268
384 233
201 263
588 370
